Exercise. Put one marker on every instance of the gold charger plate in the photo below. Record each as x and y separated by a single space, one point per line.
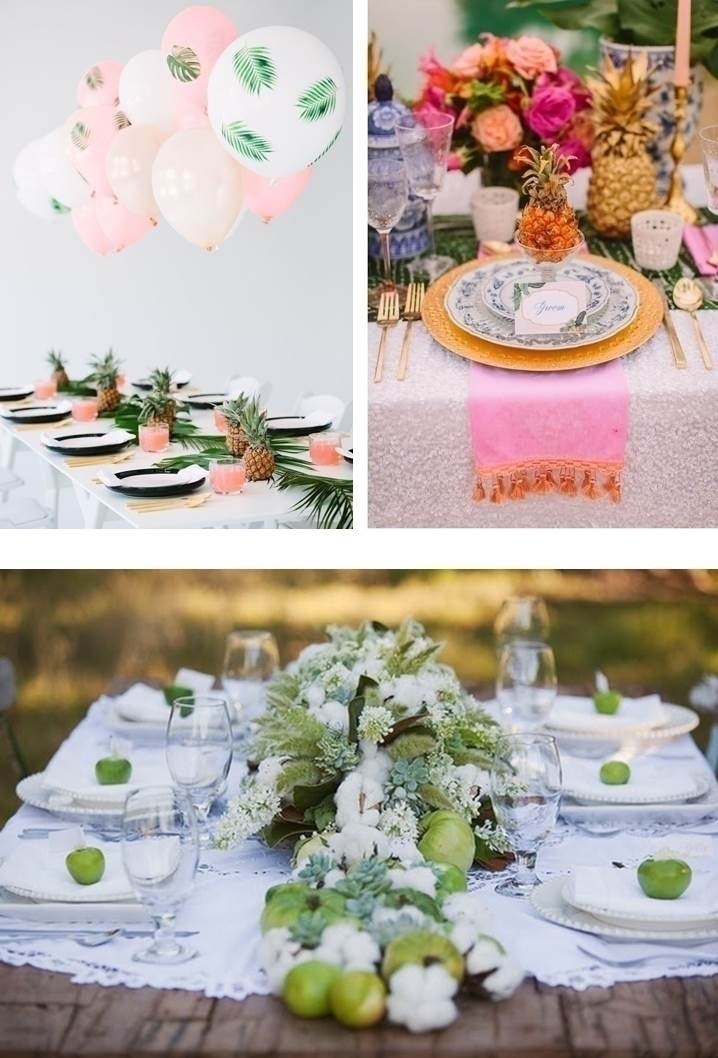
645 323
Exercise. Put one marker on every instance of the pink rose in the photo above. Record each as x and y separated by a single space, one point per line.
572 148
531 56
551 108
567 79
430 64
497 129
470 61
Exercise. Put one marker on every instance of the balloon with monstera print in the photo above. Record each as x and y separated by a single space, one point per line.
88 135
146 91
276 100
30 186
99 84
191 45
61 179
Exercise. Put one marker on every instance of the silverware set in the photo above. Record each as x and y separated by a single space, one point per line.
687 297
388 315
88 938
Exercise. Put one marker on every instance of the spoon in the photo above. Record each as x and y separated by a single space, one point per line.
687 295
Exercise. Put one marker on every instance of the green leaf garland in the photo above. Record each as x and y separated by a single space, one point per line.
254 69
244 141
319 100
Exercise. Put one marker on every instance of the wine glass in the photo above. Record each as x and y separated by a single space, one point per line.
521 617
388 198
425 142
709 145
199 752
251 660
525 793
160 850
526 684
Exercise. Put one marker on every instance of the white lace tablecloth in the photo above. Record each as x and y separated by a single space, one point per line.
421 470
229 894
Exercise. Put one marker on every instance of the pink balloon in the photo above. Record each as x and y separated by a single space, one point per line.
88 135
121 227
267 197
191 44
99 84
88 228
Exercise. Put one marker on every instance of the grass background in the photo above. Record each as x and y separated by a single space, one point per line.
69 632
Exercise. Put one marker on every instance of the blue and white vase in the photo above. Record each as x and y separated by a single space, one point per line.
661 61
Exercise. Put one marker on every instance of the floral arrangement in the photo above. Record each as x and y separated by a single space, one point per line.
505 94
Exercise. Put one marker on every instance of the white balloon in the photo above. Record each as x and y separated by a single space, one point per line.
60 177
146 95
30 186
27 167
34 197
276 100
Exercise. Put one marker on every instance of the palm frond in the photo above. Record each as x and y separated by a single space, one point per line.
254 69
319 100
333 140
328 502
244 141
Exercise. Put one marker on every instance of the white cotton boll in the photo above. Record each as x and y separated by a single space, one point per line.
332 877
485 955
420 998
315 696
504 981
349 947
386 916
269 769
422 879
335 716
468 775
412 692
464 935
406 852
467 906
358 800
375 763
357 842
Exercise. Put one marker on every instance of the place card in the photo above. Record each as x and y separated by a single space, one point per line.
66 840
549 308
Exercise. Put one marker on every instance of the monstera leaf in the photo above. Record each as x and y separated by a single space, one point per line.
318 100
94 78
255 69
121 120
246 142
184 64
80 136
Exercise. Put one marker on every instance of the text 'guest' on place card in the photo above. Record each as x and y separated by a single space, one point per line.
549 308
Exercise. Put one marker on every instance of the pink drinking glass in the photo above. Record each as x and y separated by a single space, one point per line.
84 409
323 449
219 420
227 476
45 389
154 437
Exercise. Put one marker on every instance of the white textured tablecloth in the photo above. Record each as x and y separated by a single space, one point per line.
229 893
421 469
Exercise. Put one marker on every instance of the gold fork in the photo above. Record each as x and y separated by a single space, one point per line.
171 503
41 425
387 316
412 312
91 461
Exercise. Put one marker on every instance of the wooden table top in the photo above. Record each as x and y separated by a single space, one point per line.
43 1013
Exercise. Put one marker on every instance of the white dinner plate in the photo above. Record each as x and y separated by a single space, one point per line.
498 290
79 783
32 791
50 913
577 714
658 915
11 393
98 442
39 873
677 720
38 412
649 783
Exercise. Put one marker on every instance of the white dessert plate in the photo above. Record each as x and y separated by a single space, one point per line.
578 715
51 913
615 896
650 782
39 873
79 783
32 791
677 721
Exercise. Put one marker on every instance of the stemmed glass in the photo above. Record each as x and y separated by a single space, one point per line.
251 660
199 752
388 198
160 850
709 144
526 684
521 617
425 143
525 793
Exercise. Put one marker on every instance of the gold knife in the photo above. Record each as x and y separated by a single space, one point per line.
678 355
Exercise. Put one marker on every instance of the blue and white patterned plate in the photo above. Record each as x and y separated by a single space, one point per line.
498 292
465 306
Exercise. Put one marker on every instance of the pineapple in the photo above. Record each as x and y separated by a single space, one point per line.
161 379
233 411
547 225
105 370
623 179
258 455
157 408
59 372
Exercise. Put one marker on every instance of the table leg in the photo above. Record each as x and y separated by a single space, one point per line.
7 449
51 490
92 511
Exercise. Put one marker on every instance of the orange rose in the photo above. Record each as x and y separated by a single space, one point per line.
497 129
469 62
531 56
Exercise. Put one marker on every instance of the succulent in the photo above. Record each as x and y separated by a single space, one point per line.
308 928
405 779
315 870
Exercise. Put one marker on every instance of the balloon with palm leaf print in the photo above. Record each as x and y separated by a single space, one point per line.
276 100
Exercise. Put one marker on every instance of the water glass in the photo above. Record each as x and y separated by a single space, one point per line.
495 212
526 685
160 850
709 144
388 197
425 144
521 617
656 236
251 660
199 752
525 793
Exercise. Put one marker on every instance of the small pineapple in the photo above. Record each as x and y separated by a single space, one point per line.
548 224
158 408
258 455
623 179
161 379
233 411
59 372
105 370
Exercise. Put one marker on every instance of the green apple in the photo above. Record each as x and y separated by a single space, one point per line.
425 949
449 879
109 771
614 773
664 879
358 999
175 690
448 839
284 910
309 847
307 988
286 890
86 865
606 702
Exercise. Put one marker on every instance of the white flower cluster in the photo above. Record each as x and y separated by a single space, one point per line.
375 723
254 808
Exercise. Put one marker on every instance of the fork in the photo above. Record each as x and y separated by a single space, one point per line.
639 960
387 316
91 461
168 505
412 312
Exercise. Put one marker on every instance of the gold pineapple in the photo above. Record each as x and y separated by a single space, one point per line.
547 224
233 412
258 455
105 370
623 179
59 372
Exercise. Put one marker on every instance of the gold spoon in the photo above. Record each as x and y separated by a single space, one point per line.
687 295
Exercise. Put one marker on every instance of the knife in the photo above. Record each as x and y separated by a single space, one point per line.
678 355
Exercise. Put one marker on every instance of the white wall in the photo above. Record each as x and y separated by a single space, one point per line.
252 307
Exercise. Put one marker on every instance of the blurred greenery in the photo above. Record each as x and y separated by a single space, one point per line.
70 632
578 50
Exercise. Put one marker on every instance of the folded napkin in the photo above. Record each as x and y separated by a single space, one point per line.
559 431
650 779
142 704
701 241
617 892
186 475
75 440
76 779
571 713
39 872
199 682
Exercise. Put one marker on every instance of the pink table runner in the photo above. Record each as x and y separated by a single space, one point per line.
536 433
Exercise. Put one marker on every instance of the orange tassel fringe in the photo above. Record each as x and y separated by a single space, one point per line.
540 478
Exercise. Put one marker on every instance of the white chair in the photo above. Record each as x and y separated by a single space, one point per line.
308 403
8 480
347 421
23 512
251 387
7 700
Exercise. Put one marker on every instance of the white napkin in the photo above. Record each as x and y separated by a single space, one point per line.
142 704
571 713
199 682
184 476
77 779
650 779
181 376
89 442
616 891
41 873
